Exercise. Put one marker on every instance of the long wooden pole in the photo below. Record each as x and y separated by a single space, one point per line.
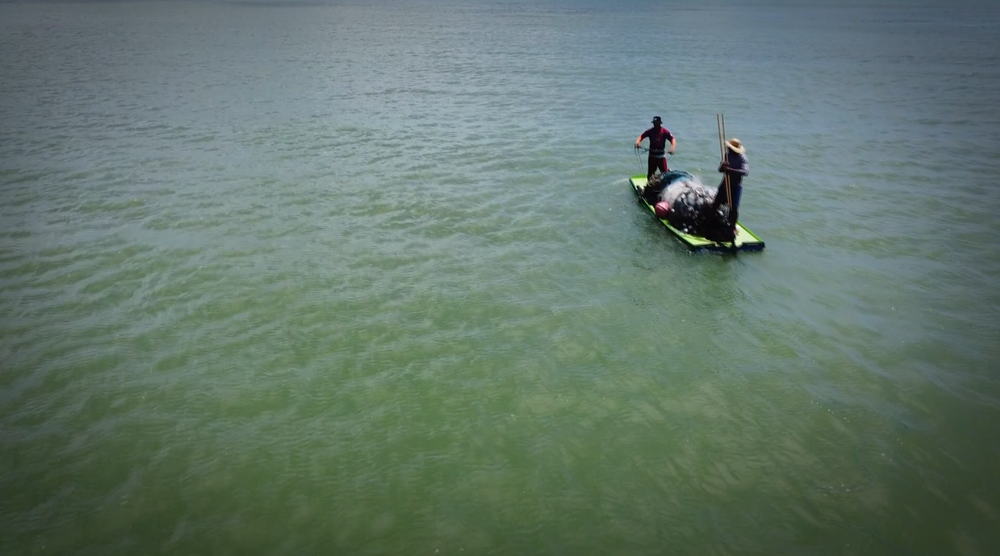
720 121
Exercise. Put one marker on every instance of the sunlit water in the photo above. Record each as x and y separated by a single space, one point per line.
369 278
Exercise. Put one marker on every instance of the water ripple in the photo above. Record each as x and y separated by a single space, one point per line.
371 278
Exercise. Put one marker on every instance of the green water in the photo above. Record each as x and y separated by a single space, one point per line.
369 278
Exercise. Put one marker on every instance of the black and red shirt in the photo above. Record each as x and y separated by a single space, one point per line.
658 139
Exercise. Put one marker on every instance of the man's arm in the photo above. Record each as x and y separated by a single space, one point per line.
673 144
743 169
641 137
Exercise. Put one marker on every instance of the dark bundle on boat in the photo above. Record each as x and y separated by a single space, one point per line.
690 206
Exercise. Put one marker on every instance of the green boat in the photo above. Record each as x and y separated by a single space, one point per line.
745 239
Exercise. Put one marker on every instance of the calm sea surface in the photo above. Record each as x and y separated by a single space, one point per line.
368 278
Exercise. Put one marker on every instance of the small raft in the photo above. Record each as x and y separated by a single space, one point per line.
745 239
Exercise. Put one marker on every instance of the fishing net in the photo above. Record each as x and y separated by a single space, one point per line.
690 205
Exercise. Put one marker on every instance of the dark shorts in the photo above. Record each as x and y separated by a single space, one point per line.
720 197
656 164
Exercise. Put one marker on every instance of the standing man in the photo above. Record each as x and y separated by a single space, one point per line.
736 166
658 137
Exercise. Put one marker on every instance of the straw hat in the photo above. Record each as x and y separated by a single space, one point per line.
735 146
